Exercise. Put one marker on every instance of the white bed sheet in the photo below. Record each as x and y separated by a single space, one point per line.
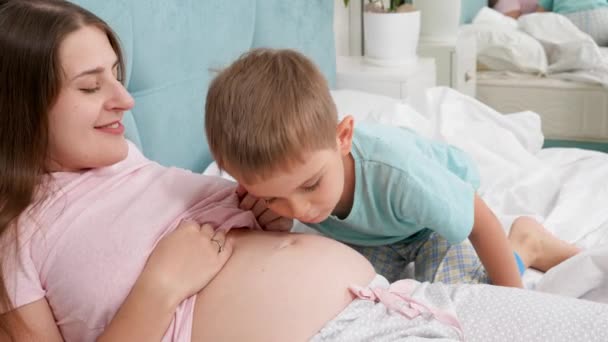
565 189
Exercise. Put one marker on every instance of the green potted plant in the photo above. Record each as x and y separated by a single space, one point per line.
390 32
393 4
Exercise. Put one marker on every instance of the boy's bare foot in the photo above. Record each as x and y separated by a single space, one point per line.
537 247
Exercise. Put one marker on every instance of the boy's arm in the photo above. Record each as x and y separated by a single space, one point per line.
493 248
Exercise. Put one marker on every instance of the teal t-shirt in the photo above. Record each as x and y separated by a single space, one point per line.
404 185
569 6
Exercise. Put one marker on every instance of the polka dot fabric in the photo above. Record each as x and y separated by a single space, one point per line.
492 313
485 312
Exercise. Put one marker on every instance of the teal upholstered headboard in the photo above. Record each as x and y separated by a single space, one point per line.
470 9
173 46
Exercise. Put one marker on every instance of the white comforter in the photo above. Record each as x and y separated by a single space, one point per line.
565 189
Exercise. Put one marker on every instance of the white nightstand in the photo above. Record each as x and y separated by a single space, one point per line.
456 63
399 82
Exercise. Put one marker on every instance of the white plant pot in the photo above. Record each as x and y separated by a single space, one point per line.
440 19
391 39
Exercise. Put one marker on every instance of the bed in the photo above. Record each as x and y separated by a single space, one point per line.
170 65
574 110
569 110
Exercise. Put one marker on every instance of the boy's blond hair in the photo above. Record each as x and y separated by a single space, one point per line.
266 110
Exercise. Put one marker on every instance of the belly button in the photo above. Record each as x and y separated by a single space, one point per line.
286 243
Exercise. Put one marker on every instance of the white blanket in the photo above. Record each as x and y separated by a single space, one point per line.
565 189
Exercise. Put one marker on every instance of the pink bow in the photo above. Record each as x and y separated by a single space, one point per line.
397 298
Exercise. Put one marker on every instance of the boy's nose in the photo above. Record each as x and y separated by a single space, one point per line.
299 209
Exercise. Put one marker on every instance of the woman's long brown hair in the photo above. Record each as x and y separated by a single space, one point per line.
31 32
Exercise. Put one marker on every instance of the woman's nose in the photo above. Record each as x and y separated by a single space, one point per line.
120 100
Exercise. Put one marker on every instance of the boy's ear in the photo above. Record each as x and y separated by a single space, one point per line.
344 134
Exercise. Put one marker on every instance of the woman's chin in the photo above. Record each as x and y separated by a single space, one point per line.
113 154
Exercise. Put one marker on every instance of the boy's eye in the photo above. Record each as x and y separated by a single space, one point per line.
312 187
269 200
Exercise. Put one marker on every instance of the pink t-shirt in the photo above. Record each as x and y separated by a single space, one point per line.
525 6
85 247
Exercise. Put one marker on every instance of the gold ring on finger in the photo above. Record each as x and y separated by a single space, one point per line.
220 247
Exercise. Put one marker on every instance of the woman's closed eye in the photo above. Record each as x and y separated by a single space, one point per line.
93 89
90 90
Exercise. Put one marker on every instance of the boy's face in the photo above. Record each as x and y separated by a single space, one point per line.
311 190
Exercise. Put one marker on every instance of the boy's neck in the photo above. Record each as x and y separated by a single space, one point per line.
345 204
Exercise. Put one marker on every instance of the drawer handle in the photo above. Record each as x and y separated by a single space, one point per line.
468 76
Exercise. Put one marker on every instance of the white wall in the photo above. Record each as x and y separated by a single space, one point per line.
347 28
341 23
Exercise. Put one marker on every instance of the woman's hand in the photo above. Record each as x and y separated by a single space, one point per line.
183 262
186 260
267 219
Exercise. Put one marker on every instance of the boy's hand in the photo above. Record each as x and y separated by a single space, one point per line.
267 218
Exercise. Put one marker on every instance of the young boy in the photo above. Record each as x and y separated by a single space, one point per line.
391 194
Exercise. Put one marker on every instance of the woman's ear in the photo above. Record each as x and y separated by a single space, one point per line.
344 134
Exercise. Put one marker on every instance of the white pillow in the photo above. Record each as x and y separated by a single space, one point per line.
567 47
490 16
504 48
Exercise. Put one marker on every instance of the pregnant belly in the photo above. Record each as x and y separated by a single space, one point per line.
278 287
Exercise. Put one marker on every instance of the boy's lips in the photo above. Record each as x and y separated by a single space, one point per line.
315 219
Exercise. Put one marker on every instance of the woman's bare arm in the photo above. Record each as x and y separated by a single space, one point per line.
39 321
143 316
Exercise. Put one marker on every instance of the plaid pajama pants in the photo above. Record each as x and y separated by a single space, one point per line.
434 258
